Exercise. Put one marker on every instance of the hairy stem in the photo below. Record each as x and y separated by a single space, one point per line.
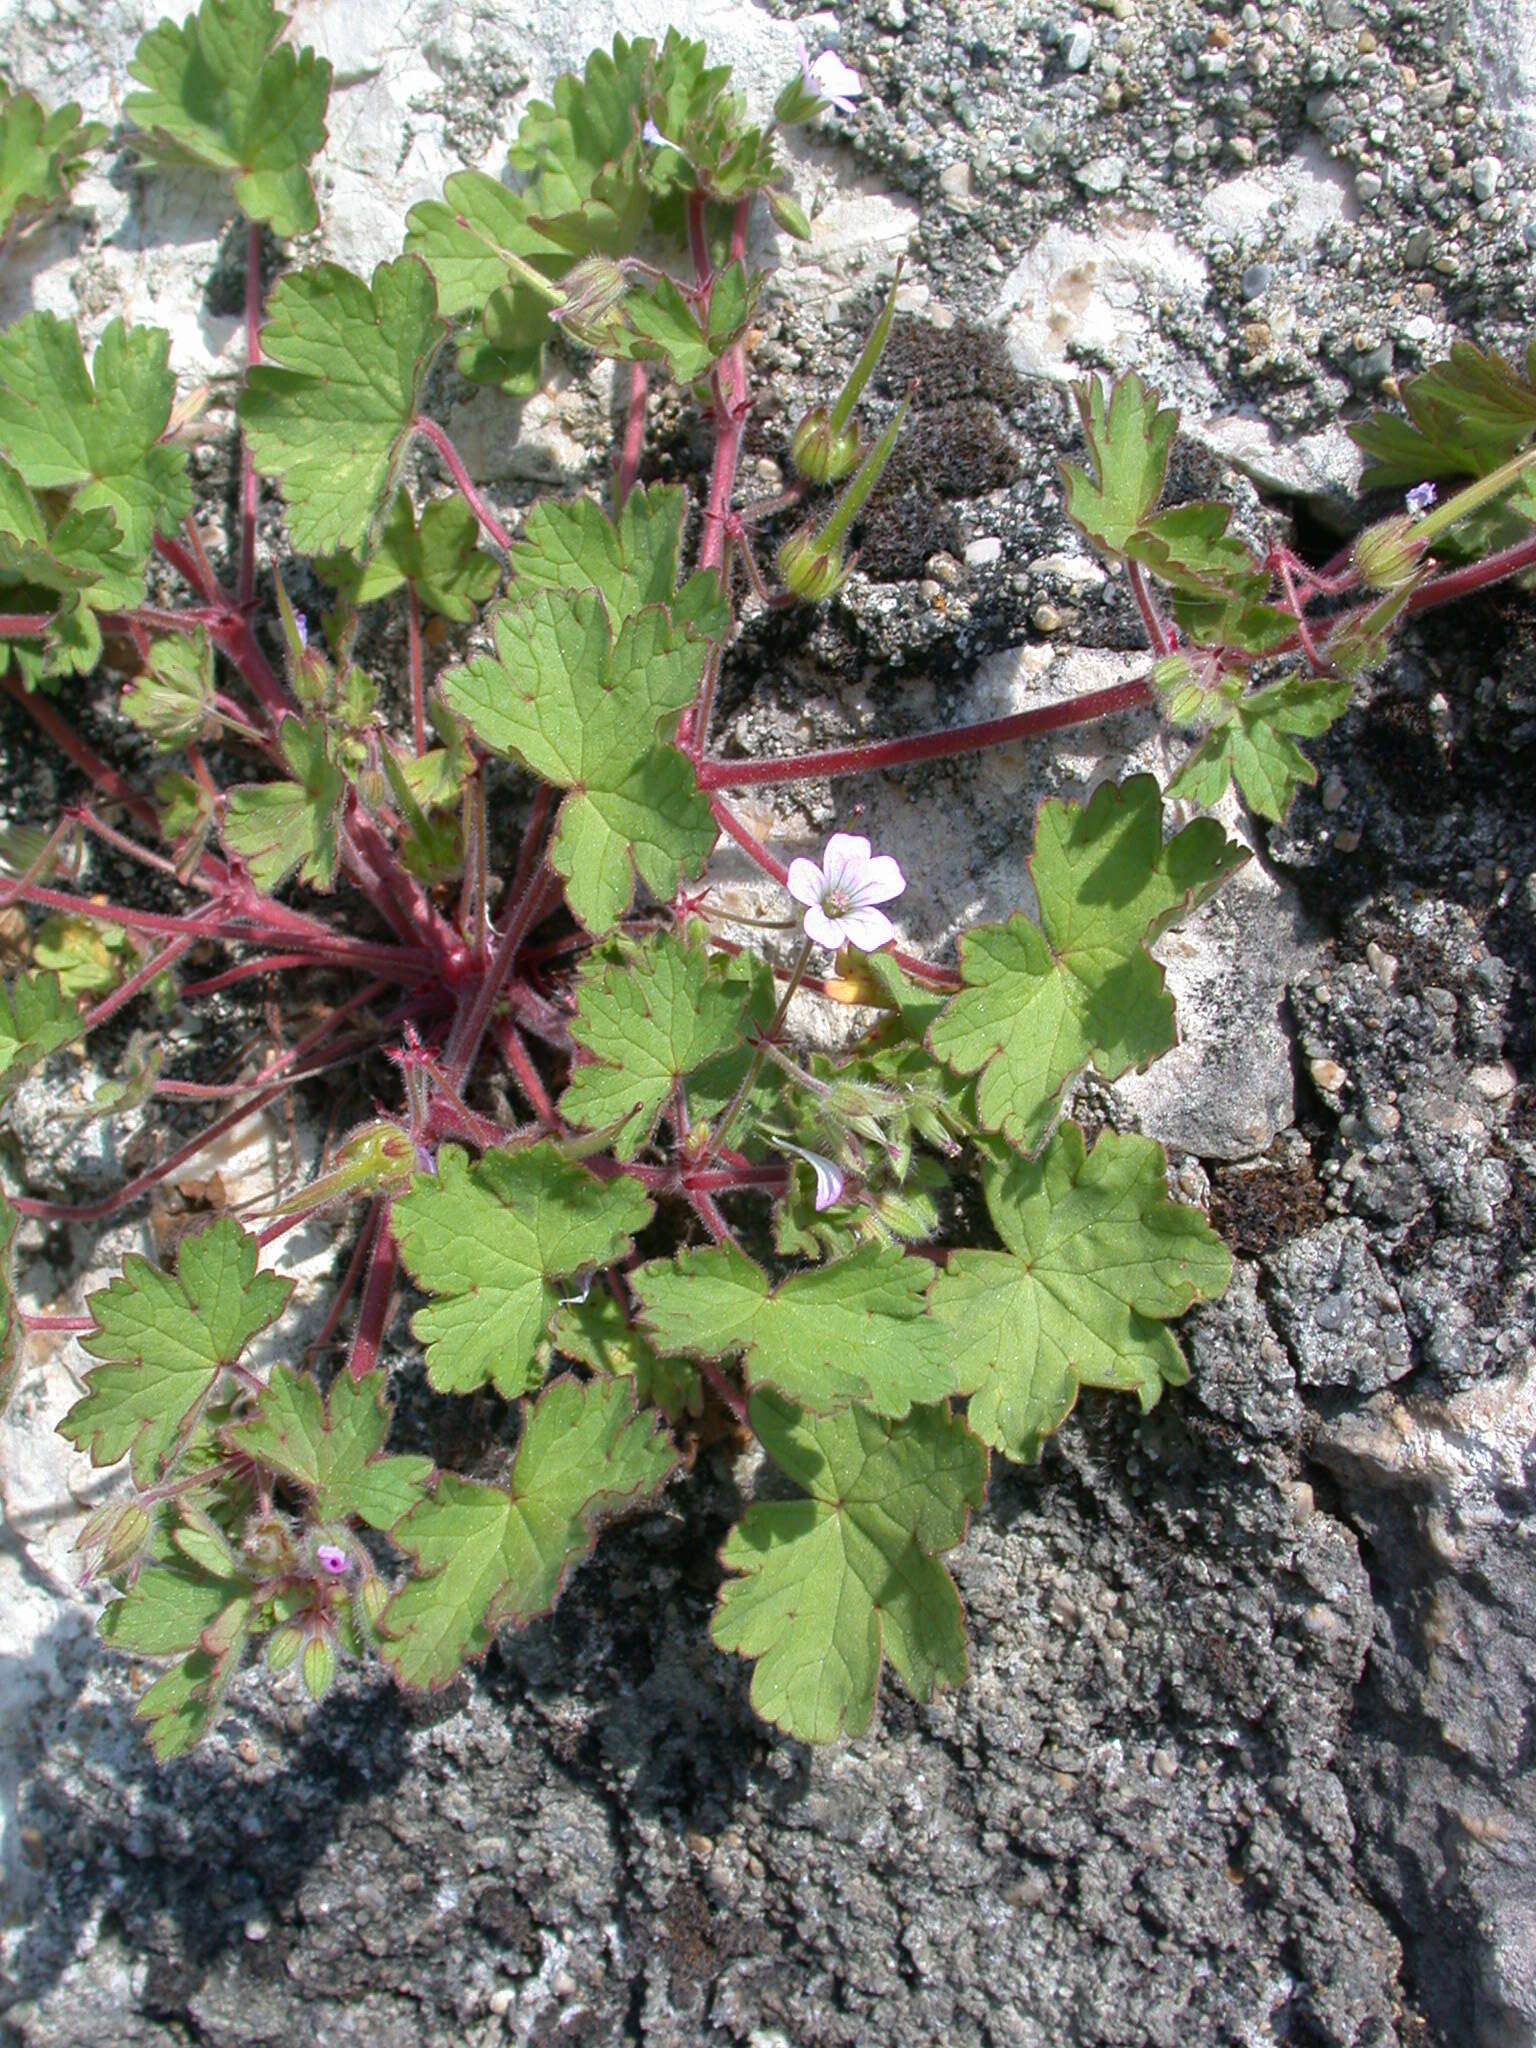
378 1299
429 430
627 463
868 755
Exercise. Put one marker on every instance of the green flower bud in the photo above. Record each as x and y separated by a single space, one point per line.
1388 553
822 453
268 1545
283 1645
319 1666
808 568
117 1534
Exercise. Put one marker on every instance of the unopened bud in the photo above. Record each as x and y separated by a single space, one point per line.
268 1545
822 453
810 569
283 1645
1388 553
113 1537
593 287
319 1666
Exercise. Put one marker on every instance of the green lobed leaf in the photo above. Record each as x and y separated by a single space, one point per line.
1469 414
1130 435
196 1605
89 958
470 241
332 1445
649 1014
597 1333
1254 745
855 1330
69 564
491 1555
441 560
167 1342
489 1240
572 544
1190 548
95 433
582 152
590 712
329 414
829 1585
222 91
1098 1259
41 155
1042 1002
171 699
36 1018
279 827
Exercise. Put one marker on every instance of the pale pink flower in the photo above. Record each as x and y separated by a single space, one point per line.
829 1175
840 895
332 1558
827 77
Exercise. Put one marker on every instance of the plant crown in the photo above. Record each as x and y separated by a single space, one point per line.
625 1198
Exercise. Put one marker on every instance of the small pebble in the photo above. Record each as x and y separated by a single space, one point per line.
1101 174
1164 1763
1328 1075
1045 619
1486 173
1257 279
1381 963
1494 1083
982 552
1333 792
1077 45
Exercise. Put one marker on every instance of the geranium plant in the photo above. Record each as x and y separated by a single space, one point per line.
601 1177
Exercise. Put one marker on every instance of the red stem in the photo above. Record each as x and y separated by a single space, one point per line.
523 913
378 1296
514 1050
191 569
246 589
269 963
431 431
869 755
627 465
1151 618
1462 582
109 1205
349 1279
110 1005
235 638
424 922
47 719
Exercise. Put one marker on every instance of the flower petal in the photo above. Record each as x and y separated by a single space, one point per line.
880 881
835 80
845 850
829 931
805 881
866 929
829 1175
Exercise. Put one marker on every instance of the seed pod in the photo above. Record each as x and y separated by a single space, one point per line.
808 569
822 453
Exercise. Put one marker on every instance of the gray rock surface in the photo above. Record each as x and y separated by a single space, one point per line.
1244 1757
